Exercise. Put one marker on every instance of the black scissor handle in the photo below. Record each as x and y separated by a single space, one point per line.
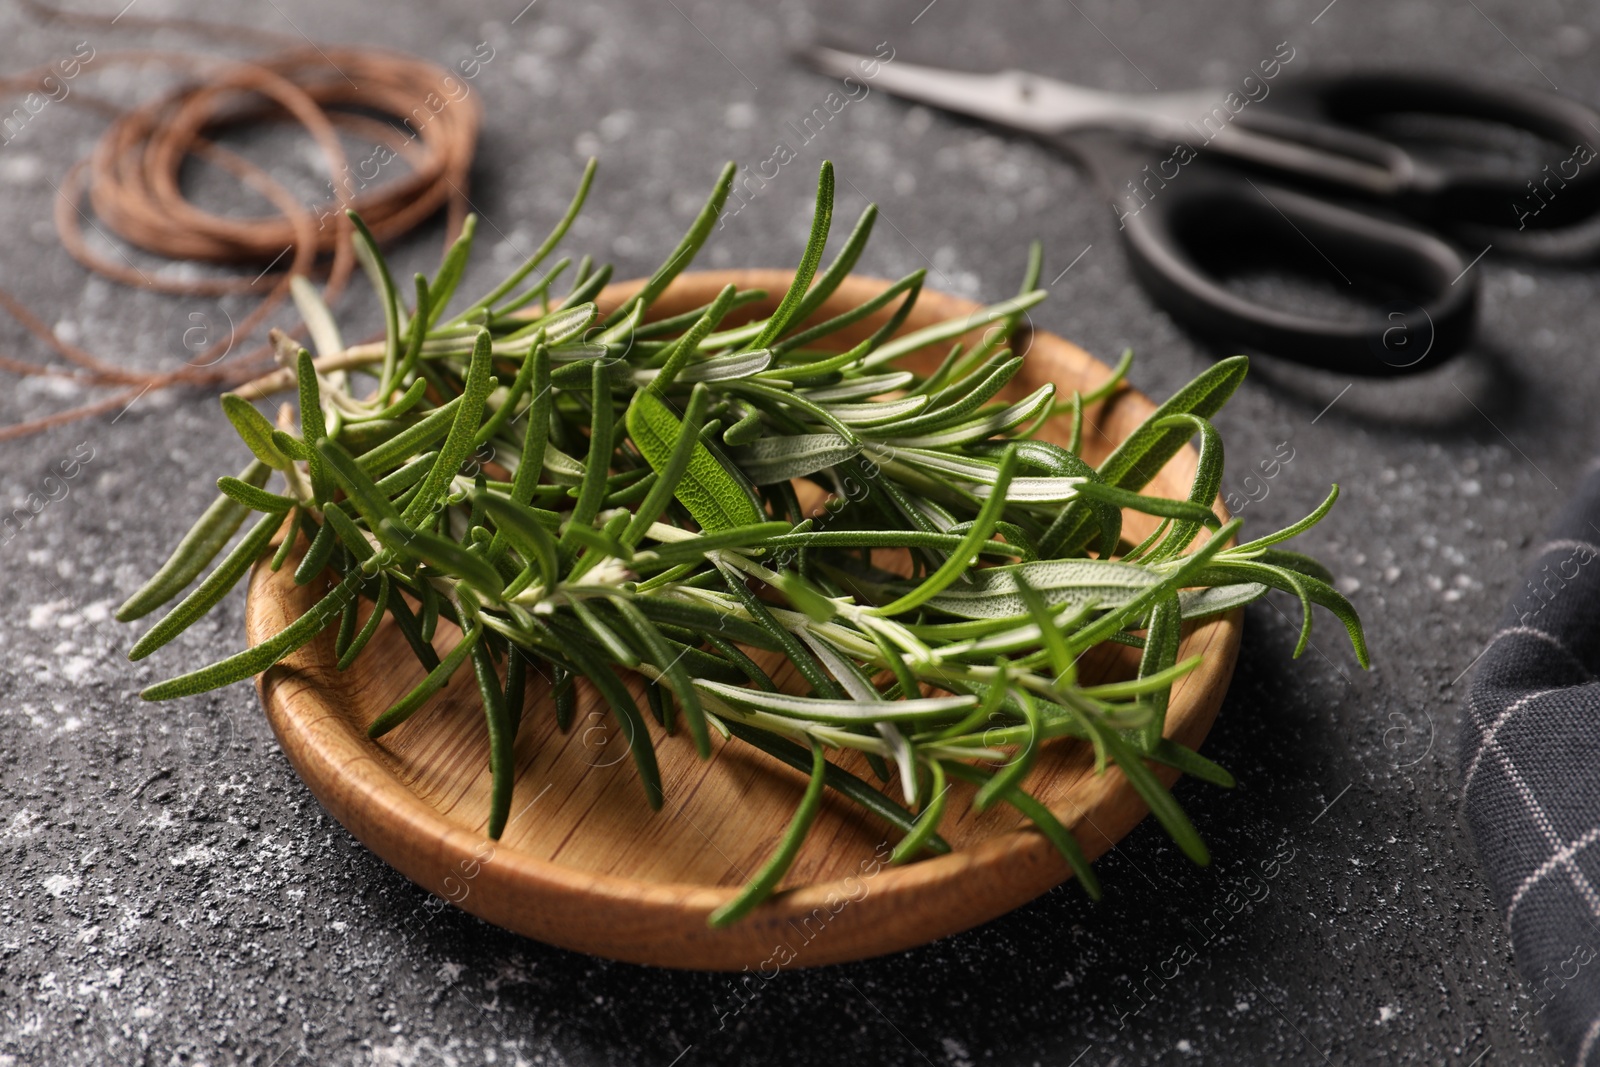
1543 207
1359 99
1210 214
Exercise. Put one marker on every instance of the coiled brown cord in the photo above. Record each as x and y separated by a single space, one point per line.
132 184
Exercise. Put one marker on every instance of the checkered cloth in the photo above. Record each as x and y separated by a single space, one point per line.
1530 777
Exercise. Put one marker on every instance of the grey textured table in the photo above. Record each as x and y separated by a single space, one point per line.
171 893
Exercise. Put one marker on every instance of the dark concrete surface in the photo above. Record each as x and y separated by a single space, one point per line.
171 894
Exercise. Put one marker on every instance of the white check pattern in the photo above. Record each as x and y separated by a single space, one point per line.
1530 774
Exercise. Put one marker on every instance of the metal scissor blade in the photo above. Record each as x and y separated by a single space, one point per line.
1011 98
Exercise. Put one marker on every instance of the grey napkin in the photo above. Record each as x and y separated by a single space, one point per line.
1530 771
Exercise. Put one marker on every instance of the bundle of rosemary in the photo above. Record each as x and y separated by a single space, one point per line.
641 513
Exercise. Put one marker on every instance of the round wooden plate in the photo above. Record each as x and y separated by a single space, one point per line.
585 864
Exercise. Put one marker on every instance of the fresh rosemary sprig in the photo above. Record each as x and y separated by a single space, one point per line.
642 513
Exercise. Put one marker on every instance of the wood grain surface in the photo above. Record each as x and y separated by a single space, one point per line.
585 864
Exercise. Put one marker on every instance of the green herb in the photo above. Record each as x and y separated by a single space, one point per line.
651 521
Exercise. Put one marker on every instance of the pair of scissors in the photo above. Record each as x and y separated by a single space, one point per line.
1386 185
